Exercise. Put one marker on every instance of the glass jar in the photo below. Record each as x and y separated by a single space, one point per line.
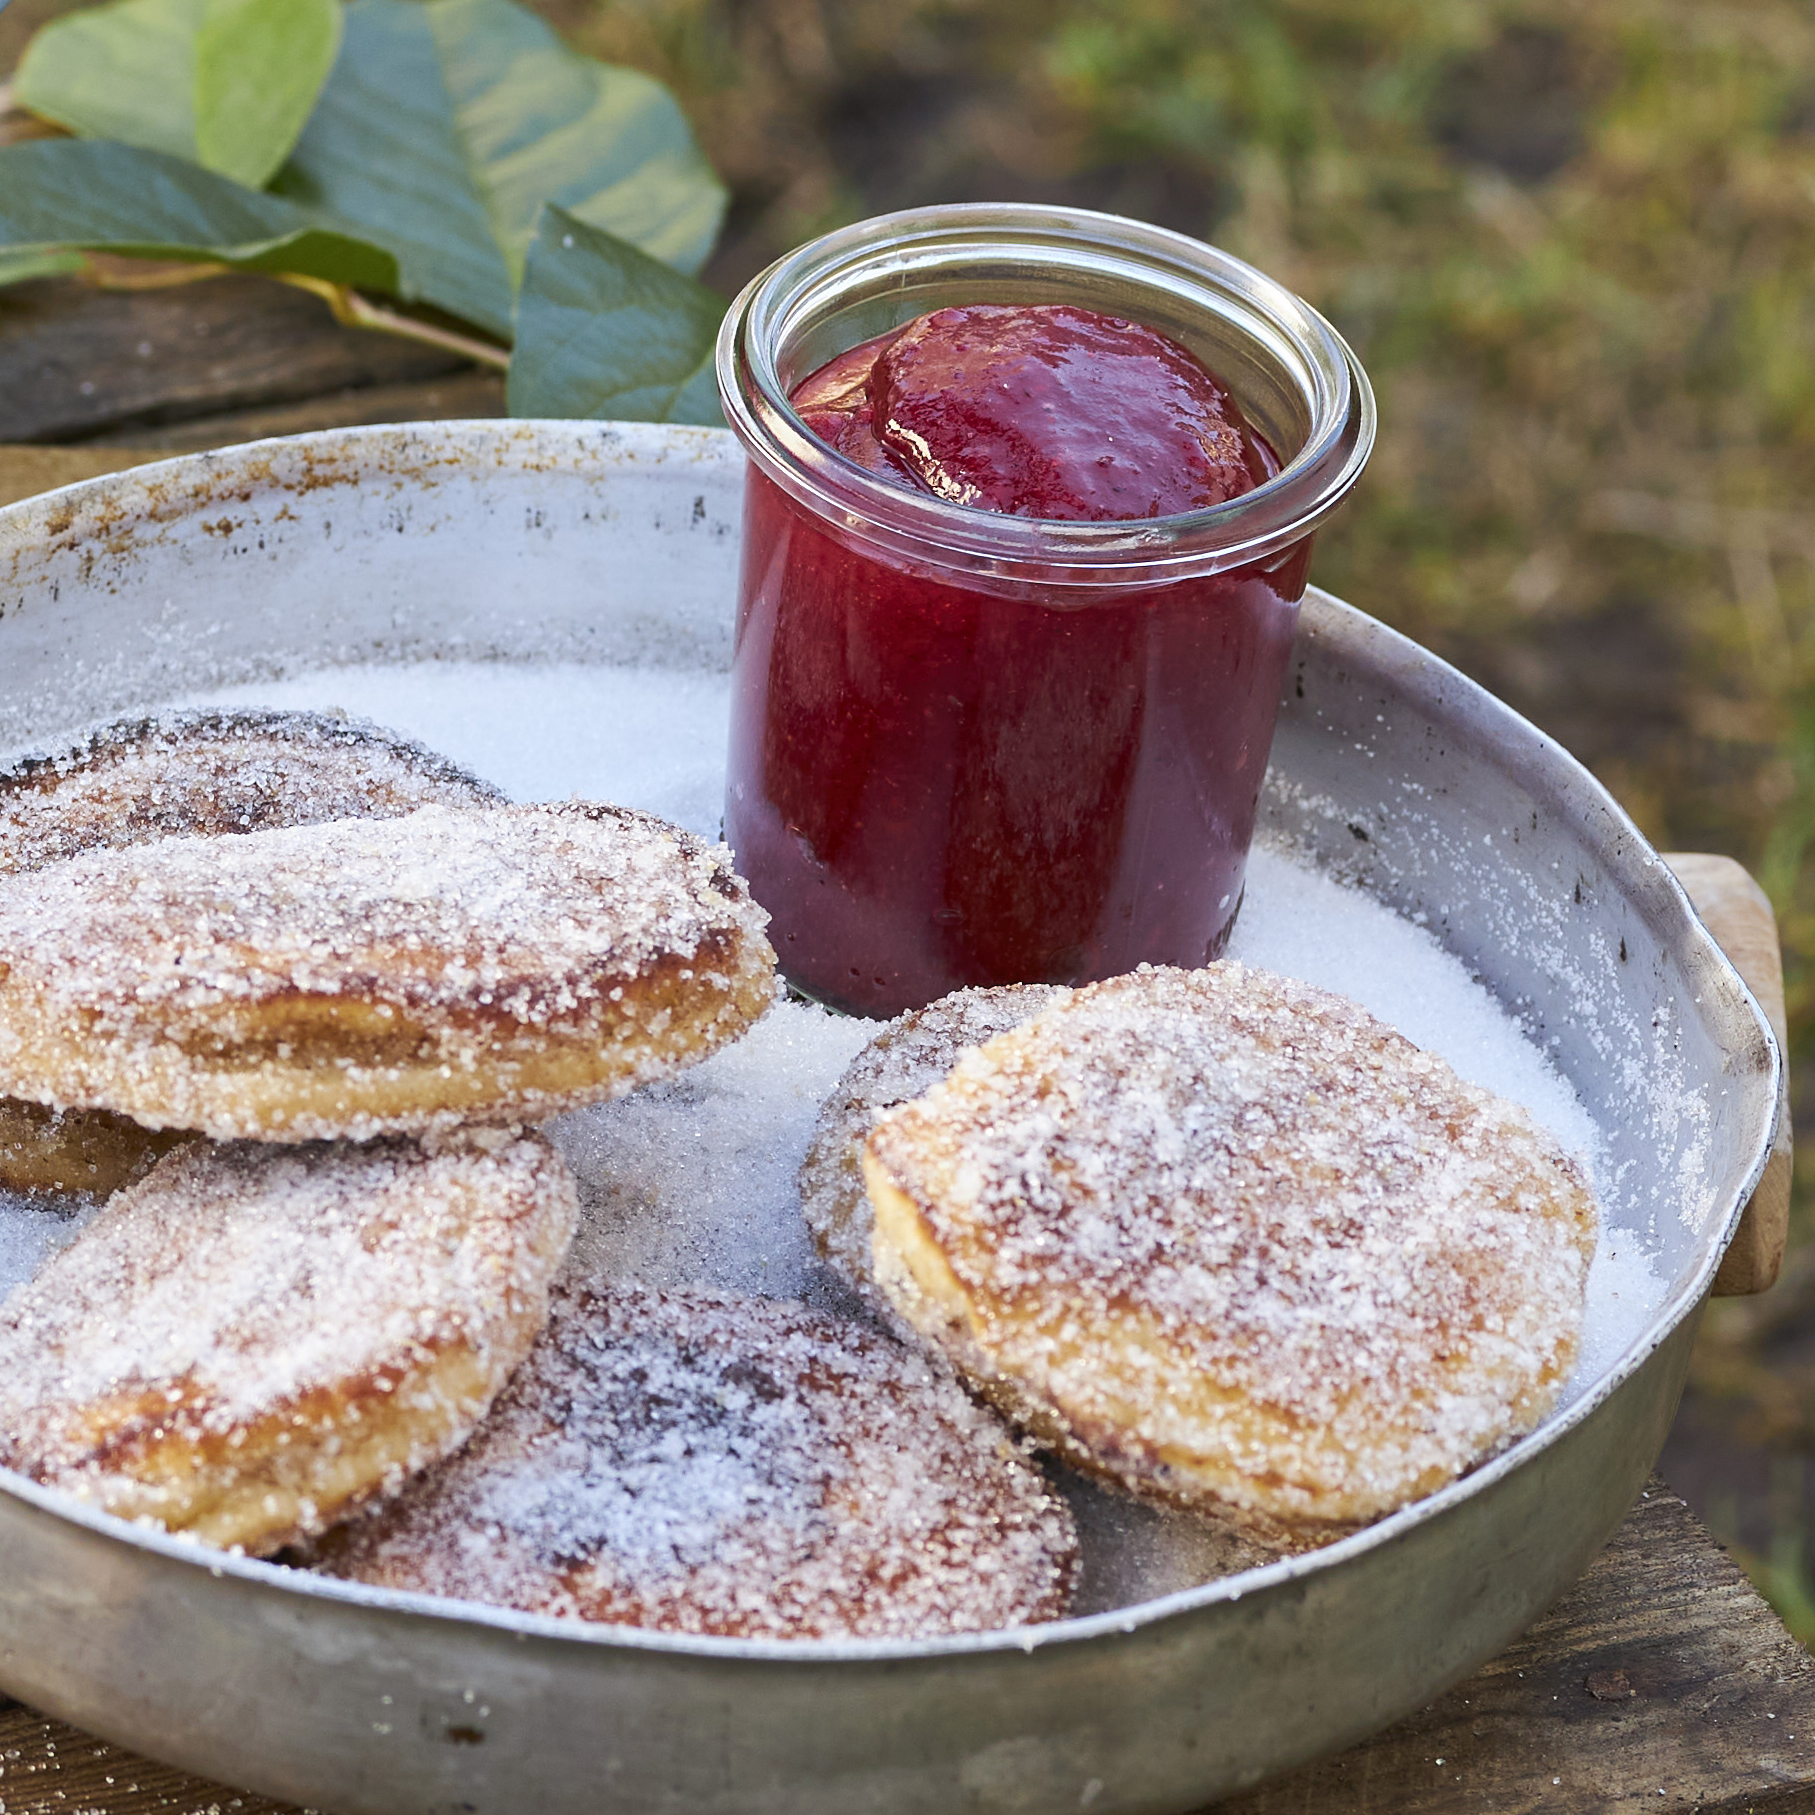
972 748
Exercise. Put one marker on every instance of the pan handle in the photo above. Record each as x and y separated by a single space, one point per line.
1738 913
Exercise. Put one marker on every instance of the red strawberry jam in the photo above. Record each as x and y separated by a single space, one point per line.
938 781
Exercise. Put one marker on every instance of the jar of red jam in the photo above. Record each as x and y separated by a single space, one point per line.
976 747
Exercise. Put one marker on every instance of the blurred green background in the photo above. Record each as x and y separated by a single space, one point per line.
1574 245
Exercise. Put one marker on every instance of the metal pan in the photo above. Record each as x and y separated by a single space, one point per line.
519 541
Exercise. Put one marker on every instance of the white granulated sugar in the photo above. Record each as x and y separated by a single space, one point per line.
32 1230
1301 924
650 738
655 739
1624 1293
691 1182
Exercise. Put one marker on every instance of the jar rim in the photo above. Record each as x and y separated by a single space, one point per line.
892 249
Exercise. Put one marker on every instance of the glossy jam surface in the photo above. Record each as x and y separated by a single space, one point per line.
933 784
1051 412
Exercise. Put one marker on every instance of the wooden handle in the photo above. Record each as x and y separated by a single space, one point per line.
1737 912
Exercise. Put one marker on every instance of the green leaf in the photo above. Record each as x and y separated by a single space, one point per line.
382 153
225 83
59 193
445 125
440 130
16 267
603 330
125 71
259 66
544 124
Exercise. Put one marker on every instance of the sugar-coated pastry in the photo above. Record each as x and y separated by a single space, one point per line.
1227 1240
186 774
907 1058
90 1151
373 976
252 1341
706 1462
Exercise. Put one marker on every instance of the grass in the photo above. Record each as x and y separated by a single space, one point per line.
1780 1572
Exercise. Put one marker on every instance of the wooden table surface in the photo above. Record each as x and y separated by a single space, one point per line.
1661 1681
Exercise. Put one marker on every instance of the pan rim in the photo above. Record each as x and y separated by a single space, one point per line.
104 503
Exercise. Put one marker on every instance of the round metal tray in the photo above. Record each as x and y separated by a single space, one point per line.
521 541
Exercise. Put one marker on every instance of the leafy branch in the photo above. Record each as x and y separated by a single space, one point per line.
391 157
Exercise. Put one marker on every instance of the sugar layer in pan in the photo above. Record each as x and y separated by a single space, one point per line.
692 1181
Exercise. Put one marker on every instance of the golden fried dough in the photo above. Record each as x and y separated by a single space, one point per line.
377 975
252 1340
907 1058
190 774
75 1150
712 1463
1229 1241
186 773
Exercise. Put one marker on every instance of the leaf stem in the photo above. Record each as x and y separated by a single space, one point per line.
110 271
18 124
352 310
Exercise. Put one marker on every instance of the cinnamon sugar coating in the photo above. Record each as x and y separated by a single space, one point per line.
191 774
1225 1239
373 976
711 1463
252 1341
186 774
906 1059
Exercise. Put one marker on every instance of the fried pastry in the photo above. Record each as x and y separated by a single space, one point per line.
1227 1240
186 774
375 976
712 1463
907 1058
252 1341
90 1151
191 774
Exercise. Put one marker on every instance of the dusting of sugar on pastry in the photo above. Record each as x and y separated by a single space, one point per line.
177 774
193 773
905 1060
711 1463
254 1339
1221 1235
372 975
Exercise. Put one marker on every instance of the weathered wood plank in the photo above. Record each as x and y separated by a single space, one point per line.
461 394
27 471
1661 1680
47 1768
1662 1671
77 362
